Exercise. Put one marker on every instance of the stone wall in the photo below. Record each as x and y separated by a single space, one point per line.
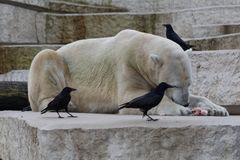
160 5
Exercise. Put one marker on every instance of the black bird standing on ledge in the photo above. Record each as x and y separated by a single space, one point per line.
148 100
60 102
170 34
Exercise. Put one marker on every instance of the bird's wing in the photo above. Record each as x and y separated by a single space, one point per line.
174 37
55 102
146 100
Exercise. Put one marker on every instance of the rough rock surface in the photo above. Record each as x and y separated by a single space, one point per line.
216 75
13 90
228 41
24 54
160 5
81 8
201 31
59 28
27 135
53 27
15 75
30 26
17 25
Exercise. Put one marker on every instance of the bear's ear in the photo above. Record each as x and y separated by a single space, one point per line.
188 51
156 59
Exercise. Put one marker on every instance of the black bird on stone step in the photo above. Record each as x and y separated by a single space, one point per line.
148 100
170 34
61 101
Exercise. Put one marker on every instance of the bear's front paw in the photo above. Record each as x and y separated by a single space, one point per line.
213 109
218 111
205 104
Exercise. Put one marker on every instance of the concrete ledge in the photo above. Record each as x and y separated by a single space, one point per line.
24 54
201 31
53 28
27 135
157 5
81 8
34 27
216 75
228 41
17 25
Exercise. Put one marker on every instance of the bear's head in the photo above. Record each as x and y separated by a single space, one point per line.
175 69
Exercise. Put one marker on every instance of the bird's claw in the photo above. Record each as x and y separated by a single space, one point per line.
72 116
151 119
60 117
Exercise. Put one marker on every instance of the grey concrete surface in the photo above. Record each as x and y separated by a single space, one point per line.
68 7
33 27
24 54
82 26
216 75
27 135
159 5
15 75
140 5
227 41
204 31
17 25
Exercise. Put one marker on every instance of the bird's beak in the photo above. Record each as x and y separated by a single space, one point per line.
73 89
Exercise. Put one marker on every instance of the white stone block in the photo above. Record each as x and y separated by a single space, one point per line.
28 136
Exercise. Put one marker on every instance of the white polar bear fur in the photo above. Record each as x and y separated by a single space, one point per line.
110 71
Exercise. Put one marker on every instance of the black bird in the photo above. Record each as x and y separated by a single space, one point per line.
170 34
60 102
148 100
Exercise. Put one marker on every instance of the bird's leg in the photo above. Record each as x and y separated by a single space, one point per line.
150 118
66 109
59 115
143 115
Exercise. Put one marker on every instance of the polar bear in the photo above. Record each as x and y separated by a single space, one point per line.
110 71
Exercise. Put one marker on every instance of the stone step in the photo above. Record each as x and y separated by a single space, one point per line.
37 27
15 76
29 135
82 8
13 95
201 31
20 25
83 26
134 5
159 5
61 6
108 24
185 19
24 54
17 25
13 90
228 41
30 4
216 75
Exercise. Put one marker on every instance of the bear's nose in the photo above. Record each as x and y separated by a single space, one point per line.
186 105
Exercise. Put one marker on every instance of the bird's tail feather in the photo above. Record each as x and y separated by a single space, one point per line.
121 106
44 111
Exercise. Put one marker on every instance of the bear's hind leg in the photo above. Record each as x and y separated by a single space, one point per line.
48 75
